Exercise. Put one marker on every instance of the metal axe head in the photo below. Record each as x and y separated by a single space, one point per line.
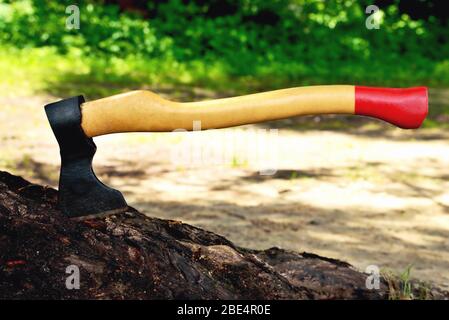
81 194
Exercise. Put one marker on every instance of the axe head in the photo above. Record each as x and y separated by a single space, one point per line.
81 194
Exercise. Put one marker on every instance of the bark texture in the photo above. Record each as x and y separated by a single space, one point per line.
132 256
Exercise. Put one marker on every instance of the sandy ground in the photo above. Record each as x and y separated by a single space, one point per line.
369 195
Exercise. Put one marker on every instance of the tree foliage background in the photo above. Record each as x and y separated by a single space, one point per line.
250 43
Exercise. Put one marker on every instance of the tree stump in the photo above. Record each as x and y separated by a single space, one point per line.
132 256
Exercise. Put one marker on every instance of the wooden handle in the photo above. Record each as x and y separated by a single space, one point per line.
144 111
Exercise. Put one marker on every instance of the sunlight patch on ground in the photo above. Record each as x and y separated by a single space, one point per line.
332 237
357 195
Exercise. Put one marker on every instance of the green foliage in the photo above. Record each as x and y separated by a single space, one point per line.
260 43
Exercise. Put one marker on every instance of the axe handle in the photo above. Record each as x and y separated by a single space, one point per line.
144 111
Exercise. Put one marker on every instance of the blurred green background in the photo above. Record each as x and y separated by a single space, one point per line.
228 46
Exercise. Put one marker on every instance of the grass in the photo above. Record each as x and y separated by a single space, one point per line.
42 70
236 162
401 287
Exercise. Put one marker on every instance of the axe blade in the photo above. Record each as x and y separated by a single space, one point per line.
81 194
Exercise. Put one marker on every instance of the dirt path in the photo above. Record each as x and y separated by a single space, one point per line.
367 195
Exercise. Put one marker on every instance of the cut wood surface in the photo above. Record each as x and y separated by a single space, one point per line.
132 256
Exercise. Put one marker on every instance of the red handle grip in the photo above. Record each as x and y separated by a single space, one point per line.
406 108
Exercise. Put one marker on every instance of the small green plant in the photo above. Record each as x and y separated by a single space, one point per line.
406 286
401 287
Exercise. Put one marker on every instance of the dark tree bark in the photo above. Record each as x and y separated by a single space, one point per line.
131 256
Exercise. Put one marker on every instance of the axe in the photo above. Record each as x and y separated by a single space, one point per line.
75 122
